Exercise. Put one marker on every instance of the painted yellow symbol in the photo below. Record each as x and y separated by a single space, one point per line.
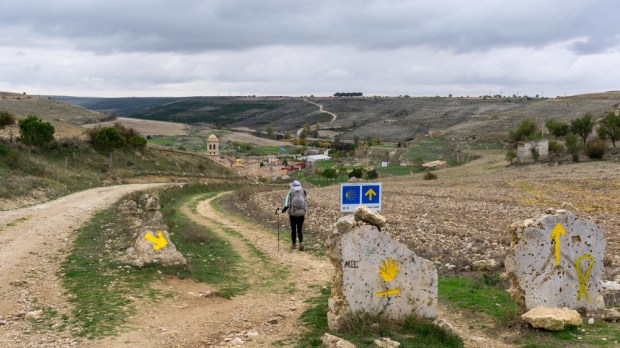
351 195
388 271
159 242
583 279
370 193
555 234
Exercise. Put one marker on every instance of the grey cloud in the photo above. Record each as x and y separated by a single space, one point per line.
199 26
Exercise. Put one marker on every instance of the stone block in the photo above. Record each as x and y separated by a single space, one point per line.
556 260
378 276
552 319
364 214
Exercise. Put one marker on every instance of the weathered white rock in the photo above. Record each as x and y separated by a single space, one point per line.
611 314
386 342
34 315
144 251
485 265
444 324
331 341
378 276
611 293
566 274
552 319
364 214
152 203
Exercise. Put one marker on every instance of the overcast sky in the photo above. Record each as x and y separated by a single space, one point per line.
286 47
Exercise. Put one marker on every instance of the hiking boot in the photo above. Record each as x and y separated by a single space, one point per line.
293 247
301 246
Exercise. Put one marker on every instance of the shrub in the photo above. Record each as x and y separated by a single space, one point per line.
36 132
137 142
6 119
555 146
106 139
596 148
371 175
511 155
430 176
573 146
357 172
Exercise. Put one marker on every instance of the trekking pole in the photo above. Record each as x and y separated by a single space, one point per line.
278 217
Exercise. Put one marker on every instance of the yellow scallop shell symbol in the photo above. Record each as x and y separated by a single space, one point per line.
388 269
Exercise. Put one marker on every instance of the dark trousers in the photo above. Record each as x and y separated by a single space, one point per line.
297 223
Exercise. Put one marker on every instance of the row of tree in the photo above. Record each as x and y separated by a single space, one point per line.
575 134
348 94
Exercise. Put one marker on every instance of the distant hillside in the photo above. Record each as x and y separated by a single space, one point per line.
66 118
391 119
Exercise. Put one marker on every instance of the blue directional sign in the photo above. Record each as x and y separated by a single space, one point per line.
355 194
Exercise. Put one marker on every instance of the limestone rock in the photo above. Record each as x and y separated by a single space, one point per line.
611 314
331 341
34 315
379 276
362 213
444 324
345 224
485 265
144 251
152 203
386 342
564 275
611 293
552 319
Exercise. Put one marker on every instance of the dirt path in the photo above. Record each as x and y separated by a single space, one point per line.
266 313
321 110
33 243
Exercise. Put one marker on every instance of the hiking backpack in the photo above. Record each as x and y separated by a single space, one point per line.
298 205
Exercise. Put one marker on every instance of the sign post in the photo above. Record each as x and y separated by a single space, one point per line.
352 195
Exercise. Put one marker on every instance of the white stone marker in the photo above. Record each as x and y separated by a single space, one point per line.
557 261
378 276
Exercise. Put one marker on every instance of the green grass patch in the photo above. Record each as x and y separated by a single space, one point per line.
97 285
479 294
210 259
363 330
399 170
163 141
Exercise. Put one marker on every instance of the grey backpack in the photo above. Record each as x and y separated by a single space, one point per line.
298 204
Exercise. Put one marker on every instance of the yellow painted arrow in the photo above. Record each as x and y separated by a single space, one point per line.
370 193
159 242
558 230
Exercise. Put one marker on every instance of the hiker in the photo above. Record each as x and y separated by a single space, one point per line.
297 206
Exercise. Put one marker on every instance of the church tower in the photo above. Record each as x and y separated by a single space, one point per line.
213 146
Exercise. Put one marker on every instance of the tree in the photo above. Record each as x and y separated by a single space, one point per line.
137 143
582 126
356 140
557 128
34 131
6 119
610 128
526 130
270 133
106 139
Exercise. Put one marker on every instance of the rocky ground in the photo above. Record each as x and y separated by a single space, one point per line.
461 220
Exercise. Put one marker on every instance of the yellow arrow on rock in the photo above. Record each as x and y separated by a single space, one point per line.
370 193
159 242
555 234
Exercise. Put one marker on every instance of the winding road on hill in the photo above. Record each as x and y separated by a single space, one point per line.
321 110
